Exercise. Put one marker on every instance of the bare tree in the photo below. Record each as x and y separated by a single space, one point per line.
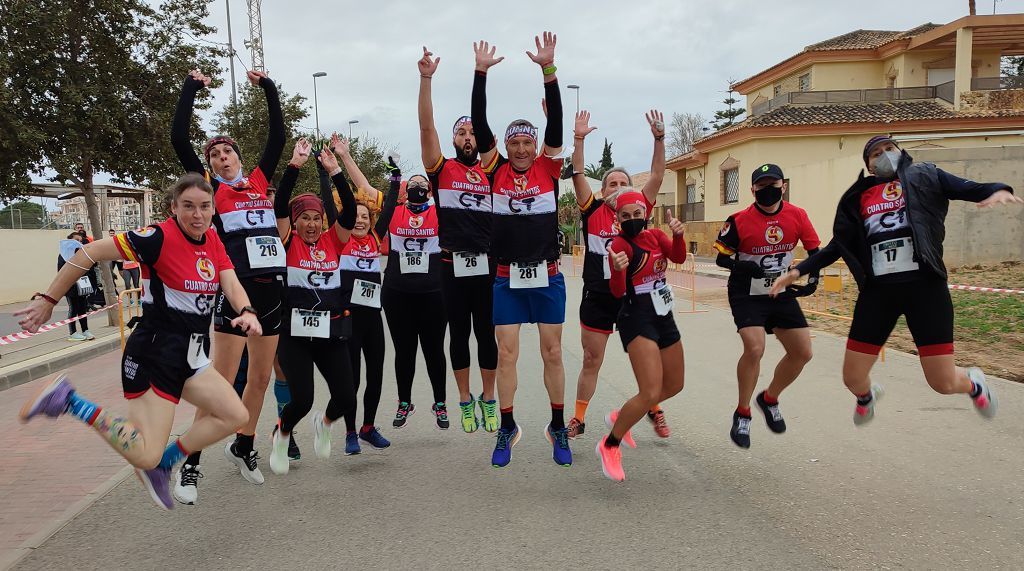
684 130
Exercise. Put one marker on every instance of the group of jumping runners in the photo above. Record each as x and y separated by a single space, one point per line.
295 282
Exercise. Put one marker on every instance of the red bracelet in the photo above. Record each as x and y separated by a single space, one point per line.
44 296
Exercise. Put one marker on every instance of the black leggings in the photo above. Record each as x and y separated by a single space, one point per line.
130 277
78 305
297 356
411 317
469 302
368 339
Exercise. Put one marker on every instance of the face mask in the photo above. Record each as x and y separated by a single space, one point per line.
886 163
768 195
417 194
632 228
233 182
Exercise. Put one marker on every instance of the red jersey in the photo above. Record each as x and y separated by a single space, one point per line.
649 254
314 277
413 236
600 228
525 211
180 276
883 208
246 223
463 198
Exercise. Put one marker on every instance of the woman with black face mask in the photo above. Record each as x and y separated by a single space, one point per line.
412 301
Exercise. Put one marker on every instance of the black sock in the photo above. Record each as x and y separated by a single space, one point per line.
610 441
193 458
557 416
243 444
866 399
507 421
975 390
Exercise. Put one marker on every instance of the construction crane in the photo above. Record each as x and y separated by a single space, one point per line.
255 42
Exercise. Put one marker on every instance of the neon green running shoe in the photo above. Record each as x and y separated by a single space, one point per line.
489 411
469 420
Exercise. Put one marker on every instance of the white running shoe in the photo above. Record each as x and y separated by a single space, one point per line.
186 481
863 414
321 436
89 336
279 453
985 403
77 336
246 465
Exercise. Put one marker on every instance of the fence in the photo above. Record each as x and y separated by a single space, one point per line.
133 308
681 277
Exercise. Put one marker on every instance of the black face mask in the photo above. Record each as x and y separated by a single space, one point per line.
632 228
768 195
417 194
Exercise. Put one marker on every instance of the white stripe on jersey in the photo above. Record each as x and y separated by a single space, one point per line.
313 279
540 204
185 302
248 219
651 284
769 262
428 244
357 264
464 200
886 221
598 244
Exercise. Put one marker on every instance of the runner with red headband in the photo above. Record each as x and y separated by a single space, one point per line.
639 258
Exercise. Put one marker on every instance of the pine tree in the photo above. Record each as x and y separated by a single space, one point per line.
727 117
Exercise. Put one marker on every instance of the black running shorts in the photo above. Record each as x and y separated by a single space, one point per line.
599 311
638 319
159 361
926 305
751 311
265 295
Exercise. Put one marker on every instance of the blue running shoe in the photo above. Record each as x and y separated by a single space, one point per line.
503 448
352 444
374 438
158 484
51 400
559 440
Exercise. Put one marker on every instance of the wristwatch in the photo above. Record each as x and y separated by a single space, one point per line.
248 309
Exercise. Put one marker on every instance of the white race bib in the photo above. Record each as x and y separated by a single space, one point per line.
607 267
197 358
525 276
761 286
893 256
307 323
265 252
366 293
663 300
84 286
470 264
413 262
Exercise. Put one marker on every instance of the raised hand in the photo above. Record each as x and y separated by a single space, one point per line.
485 55
254 77
1000 197
545 55
339 145
198 76
329 161
583 128
657 122
675 225
619 260
427 66
300 154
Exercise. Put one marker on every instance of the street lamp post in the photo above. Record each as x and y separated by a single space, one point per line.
576 88
316 108
350 123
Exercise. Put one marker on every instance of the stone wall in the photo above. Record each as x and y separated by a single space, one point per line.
989 100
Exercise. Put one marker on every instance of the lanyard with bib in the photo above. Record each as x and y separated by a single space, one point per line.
265 252
366 293
893 256
310 323
528 275
470 264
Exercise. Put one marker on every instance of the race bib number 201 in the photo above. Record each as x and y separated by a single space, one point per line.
366 293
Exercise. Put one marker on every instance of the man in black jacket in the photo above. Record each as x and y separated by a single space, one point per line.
889 229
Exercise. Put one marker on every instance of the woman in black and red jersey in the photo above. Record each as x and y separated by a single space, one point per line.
639 259
889 230
246 224
183 266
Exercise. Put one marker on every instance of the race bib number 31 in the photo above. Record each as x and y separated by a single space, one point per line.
265 252
893 256
525 276
307 323
366 293
470 264
413 262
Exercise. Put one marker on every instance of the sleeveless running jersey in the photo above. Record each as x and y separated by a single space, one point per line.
314 278
244 213
463 198
648 261
525 217
768 240
883 208
180 276
415 237
600 229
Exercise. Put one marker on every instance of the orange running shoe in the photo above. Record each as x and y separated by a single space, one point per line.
657 418
611 460
576 428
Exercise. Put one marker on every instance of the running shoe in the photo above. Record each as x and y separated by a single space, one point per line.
77 336
89 336
374 438
186 484
352 444
405 410
560 451
53 399
469 420
740 431
657 419
278 453
985 403
611 460
440 411
503 447
772 414
321 436
158 484
293 448
627 438
489 411
576 427
246 464
863 413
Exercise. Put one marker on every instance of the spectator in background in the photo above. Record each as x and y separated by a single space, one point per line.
78 295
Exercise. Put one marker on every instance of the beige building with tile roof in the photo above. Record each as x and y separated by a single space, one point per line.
935 88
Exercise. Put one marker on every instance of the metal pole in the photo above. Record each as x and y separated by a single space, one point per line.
577 99
231 59
316 109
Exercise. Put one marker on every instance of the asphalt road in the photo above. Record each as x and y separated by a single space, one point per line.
929 484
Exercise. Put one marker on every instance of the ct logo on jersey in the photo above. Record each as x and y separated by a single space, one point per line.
147 231
520 182
415 221
318 255
205 269
473 177
725 229
892 191
773 235
660 265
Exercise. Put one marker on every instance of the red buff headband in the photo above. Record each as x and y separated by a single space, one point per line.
631 198
520 130
305 202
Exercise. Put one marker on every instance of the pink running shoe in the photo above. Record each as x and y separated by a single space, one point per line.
611 461
627 438
863 414
657 418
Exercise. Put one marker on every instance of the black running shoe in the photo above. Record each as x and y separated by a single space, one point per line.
441 415
293 448
405 410
772 414
740 432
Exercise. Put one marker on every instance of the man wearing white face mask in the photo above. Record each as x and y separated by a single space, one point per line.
889 229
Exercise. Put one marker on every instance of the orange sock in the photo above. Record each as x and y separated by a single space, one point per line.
655 409
581 410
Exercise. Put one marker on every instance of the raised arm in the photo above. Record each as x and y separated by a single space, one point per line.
430 144
341 149
584 193
478 105
390 203
346 220
657 122
182 122
986 194
275 123
545 58
300 154
674 250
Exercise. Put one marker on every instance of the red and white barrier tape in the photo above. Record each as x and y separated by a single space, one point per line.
8 339
985 289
